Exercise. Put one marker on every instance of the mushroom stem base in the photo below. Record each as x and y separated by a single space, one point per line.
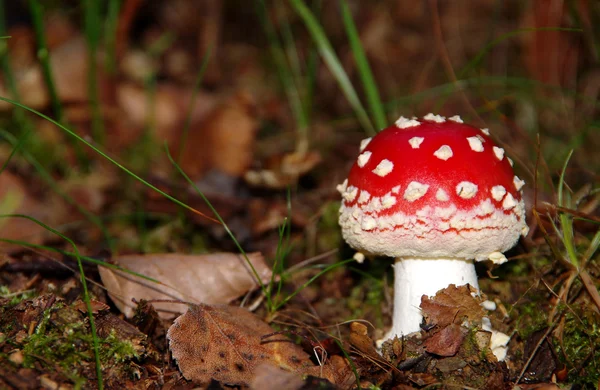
415 277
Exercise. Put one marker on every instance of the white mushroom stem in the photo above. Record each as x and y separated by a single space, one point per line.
415 277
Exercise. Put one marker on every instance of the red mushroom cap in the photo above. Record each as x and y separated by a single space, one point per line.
432 187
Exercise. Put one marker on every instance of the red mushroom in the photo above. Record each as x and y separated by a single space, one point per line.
435 194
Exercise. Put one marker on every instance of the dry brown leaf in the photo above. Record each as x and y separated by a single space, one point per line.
216 278
226 343
283 171
447 341
224 140
16 199
267 376
451 306
359 338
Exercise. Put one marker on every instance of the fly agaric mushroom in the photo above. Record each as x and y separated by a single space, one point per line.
435 194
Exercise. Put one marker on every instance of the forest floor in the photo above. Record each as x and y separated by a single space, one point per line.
157 149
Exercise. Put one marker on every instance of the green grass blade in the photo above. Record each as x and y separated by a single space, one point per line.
110 35
222 222
334 64
311 280
86 295
106 156
286 78
364 69
9 75
488 47
37 15
47 177
566 221
88 259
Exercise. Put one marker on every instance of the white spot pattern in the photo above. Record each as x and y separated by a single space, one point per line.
466 189
364 143
509 202
485 131
350 193
342 187
499 152
405 123
363 159
383 168
498 192
364 197
415 190
415 142
443 153
388 201
434 118
441 195
518 183
456 118
475 144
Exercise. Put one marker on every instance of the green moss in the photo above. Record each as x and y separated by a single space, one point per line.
62 341
579 349
16 297
529 317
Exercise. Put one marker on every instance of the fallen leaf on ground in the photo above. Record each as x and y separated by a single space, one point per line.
16 199
360 339
447 341
452 305
226 343
216 278
267 376
224 140
283 171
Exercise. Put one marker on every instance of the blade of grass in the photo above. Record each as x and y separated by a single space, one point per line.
222 222
107 157
334 64
47 177
37 15
9 75
286 78
86 295
93 29
489 46
364 70
88 259
110 35
311 280
566 221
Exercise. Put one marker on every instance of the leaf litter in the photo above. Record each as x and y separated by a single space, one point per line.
209 278
226 343
231 137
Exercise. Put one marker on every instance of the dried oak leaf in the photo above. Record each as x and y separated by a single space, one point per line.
452 305
213 278
225 343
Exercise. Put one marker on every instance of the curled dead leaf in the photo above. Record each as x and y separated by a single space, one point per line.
452 305
216 278
226 343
